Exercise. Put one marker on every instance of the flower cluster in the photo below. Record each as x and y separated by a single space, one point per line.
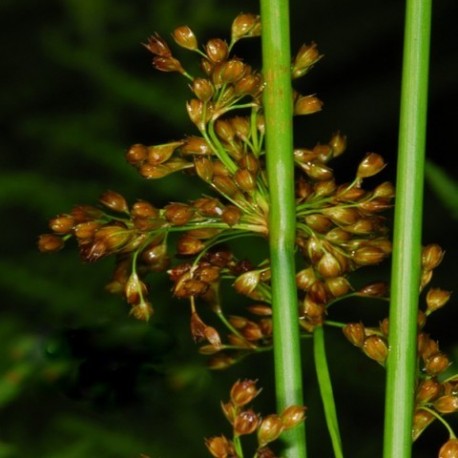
246 421
434 396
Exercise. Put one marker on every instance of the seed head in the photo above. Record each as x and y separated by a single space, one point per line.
217 50
185 38
48 243
270 429
376 348
354 332
220 447
371 165
293 416
436 298
246 422
307 104
245 25
114 201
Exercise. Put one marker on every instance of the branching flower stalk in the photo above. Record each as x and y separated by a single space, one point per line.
260 186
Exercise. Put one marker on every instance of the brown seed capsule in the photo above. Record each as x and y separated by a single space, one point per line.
421 420
247 282
428 390
86 231
377 289
338 286
114 201
195 146
338 143
260 309
449 449
136 154
318 223
158 46
159 154
202 88
372 164
231 71
221 361
307 104
317 171
251 84
217 50
270 429
142 311
204 168
304 59
436 298
431 256
143 209
446 404
243 392
384 326
62 224
436 363
426 346
195 108
246 422
384 191
329 267
188 245
225 130
224 184
354 332
342 215
305 278
345 193
368 255
168 64
376 348
185 38
220 447
231 215
178 214
245 180
293 416
245 25
48 243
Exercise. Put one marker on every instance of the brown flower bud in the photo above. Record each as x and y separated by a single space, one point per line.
243 392
376 348
338 143
178 214
136 154
377 289
305 278
368 255
203 89
246 422
421 420
188 245
220 447
384 326
143 209
195 108
318 223
251 84
428 390
204 168
446 404
158 46
224 184
221 361
317 171
220 169
307 104
48 243
195 146
231 215
436 298
245 25
338 286
436 363
270 429
159 154
225 130
384 191
304 59
260 309
86 231
371 165
354 332
114 201
217 50
293 416
185 38
142 311
426 346
247 282
431 256
338 236
342 215
153 172
231 71
62 224
329 267
245 180
168 64
449 449
345 193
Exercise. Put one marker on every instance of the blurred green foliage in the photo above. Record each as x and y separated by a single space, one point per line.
78 377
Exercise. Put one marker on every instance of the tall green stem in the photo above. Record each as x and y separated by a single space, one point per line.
280 169
401 364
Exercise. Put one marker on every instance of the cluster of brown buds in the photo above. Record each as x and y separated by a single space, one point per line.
339 227
246 421
434 397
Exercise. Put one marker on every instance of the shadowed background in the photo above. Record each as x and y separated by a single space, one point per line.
78 376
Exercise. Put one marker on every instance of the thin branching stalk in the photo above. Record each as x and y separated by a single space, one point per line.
280 168
401 364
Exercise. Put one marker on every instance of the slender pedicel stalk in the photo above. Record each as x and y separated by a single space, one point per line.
401 364
280 168
327 396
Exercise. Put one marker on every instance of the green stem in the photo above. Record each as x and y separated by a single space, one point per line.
327 396
280 169
401 363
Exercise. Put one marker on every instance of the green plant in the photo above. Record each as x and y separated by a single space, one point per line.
329 229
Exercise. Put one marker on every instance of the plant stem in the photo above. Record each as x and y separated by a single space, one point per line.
327 396
280 169
401 364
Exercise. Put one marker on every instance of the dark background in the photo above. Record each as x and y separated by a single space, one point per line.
78 377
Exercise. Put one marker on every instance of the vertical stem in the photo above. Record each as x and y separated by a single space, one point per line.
280 169
401 364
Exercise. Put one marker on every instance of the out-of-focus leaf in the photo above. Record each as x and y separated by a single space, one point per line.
444 186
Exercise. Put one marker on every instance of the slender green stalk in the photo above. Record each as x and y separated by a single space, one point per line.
280 169
401 364
327 396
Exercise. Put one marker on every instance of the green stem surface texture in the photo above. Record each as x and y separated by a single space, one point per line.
280 169
401 363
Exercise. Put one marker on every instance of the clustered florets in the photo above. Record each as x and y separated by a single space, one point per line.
339 226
